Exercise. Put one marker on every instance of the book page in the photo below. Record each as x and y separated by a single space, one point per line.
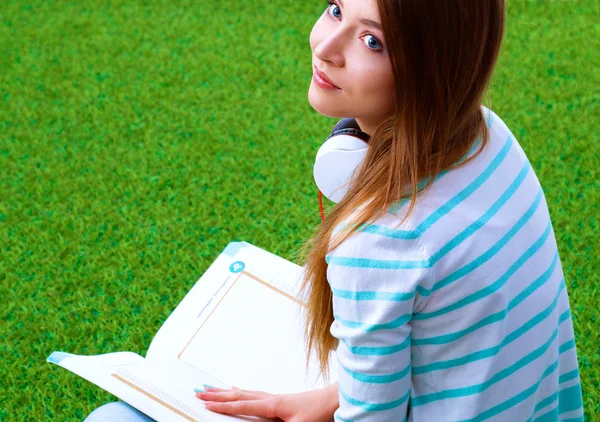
99 370
242 323
171 384
183 322
254 340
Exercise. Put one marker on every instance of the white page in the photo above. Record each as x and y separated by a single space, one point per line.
253 339
172 384
162 390
98 369
184 321
244 325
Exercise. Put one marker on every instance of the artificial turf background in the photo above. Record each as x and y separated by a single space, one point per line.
138 138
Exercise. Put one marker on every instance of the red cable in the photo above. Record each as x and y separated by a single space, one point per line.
321 205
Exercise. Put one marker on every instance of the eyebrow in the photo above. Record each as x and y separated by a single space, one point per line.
368 22
372 23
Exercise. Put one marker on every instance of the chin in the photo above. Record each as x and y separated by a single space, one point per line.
323 105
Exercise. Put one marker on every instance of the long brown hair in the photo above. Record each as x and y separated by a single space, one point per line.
442 54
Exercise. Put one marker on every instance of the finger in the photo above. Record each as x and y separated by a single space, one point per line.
228 390
216 389
263 393
252 391
265 408
229 395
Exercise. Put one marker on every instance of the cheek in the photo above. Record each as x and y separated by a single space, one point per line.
376 83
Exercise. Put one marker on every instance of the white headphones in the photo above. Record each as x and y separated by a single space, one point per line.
338 157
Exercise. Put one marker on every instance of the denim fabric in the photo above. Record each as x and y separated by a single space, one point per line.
117 411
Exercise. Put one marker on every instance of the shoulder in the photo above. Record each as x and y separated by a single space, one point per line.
383 256
383 238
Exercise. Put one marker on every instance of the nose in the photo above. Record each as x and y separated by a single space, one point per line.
330 49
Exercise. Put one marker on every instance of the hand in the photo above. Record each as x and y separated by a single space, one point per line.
314 406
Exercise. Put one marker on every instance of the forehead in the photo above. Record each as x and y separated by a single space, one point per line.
360 9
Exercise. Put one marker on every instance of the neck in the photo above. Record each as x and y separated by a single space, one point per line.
366 126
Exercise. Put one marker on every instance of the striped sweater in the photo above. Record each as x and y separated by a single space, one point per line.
461 313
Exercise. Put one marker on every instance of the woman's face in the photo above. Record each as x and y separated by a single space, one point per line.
348 47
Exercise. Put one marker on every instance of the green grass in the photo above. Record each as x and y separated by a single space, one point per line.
138 138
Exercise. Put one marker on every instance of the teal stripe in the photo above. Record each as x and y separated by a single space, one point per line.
478 388
489 119
434 217
372 295
567 376
378 295
494 286
369 407
461 237
398 322
395 207
493 411
551 416
465 193
492 351
549 400
375 263
403 234
448 206
523 395
569 399
487 255
569 344
461 196
566 346
496 317
480 222
377 379
386 231
377 351
546 402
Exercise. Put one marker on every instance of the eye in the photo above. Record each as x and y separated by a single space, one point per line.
373 43
336 9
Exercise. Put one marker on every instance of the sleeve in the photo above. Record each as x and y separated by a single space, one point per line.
375 280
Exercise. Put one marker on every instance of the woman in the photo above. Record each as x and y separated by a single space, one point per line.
443 296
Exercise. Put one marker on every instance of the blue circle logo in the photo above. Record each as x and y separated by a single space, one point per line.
237 267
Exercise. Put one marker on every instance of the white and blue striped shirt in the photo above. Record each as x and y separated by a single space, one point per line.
462 311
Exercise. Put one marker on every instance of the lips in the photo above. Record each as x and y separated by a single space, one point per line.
324 77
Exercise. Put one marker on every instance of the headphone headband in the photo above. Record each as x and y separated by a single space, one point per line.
349 126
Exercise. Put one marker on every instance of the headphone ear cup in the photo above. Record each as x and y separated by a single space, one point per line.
336 161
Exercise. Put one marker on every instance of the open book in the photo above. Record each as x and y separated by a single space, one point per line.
241 324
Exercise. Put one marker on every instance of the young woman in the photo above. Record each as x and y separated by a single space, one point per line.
442 292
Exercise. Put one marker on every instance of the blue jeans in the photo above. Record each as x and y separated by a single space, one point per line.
117 411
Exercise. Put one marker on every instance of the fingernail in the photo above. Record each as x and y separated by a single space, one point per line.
208 386
199 390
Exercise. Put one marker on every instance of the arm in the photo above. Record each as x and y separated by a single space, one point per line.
332 398
314 405
374 280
